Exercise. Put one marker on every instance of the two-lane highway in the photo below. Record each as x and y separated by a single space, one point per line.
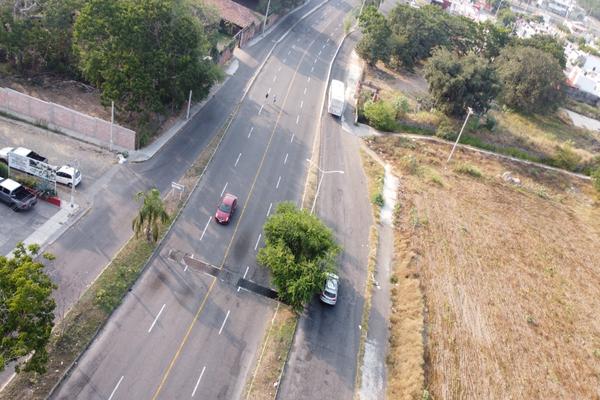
182 333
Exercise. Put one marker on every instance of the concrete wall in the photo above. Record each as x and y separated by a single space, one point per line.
65 120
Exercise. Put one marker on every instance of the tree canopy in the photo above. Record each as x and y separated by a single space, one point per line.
532 80
375 44
151 215
299 251
26 309
457 82
547 43
144 54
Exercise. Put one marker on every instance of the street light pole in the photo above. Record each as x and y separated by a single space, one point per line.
312 209
266 17
460 133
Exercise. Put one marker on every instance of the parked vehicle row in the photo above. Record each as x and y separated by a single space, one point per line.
30 162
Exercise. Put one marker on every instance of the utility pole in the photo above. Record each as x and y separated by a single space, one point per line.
189 105
112 122
459 134
266 16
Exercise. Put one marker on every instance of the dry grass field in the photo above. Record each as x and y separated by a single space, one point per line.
509 273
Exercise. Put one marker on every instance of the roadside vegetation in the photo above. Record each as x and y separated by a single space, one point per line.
513 85
273 355
26 309
144 55
75 332
506 257
299 251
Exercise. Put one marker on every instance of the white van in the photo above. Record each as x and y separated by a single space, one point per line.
335 104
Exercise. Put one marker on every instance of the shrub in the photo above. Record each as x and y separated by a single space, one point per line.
381 115
446 130
596 179
490 122
378 200
566 157
3 170
401 106
468 169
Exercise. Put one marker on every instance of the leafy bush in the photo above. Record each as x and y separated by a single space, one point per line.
566 157
468 169
446 130
490 122
3 170
401 106
596 179
381 115
378 200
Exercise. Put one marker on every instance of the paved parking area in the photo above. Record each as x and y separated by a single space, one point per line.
92 161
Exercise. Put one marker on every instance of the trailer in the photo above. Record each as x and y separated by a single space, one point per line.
336 101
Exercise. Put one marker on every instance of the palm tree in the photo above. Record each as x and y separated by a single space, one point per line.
152 214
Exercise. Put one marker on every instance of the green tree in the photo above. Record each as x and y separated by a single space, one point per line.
596 179
457 82
299 251
375 43
26 309
547 43
532 80
507 18
144 54
151 215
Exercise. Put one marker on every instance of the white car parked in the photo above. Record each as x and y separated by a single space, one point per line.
68 175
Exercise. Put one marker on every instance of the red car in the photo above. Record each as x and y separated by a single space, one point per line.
226 208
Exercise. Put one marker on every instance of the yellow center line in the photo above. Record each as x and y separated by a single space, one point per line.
189 330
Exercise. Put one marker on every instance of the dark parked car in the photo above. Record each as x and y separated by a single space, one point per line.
226 208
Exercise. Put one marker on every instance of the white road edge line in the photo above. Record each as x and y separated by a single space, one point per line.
261 107
275 77
198 381
312 69
278 182
292 139
301 103
116 387
205 228
285 159
237 160
225 320
268 212
305 90
250 133
308 79
224 187
257 241
246 273
269 91
297 119
156 319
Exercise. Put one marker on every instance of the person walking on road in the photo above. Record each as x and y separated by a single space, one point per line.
274 98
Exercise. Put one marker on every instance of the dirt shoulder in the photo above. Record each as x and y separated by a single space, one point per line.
509 274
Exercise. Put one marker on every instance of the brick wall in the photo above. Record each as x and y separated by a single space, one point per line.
65 120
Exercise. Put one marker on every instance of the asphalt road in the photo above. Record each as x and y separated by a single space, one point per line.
180 332
323 359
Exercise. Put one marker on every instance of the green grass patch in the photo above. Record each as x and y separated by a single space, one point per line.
468 169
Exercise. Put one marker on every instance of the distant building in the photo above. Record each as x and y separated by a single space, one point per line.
585 85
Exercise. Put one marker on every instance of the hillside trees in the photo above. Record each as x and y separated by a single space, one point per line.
532 80
547 43
26 309
375 44
144 54
299 251
457 82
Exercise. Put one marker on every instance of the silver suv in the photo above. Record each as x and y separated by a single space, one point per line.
330 291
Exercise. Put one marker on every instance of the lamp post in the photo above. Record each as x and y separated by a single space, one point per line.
323 173
460 133
266 17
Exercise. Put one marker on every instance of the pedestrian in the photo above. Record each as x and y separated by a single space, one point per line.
274 98
267 95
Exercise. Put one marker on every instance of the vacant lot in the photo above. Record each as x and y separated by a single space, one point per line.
510 274
550 139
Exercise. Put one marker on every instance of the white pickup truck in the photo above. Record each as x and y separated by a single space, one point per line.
35 164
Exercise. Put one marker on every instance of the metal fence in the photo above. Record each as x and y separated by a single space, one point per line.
66 120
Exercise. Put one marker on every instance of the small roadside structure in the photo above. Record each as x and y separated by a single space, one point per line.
236 19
